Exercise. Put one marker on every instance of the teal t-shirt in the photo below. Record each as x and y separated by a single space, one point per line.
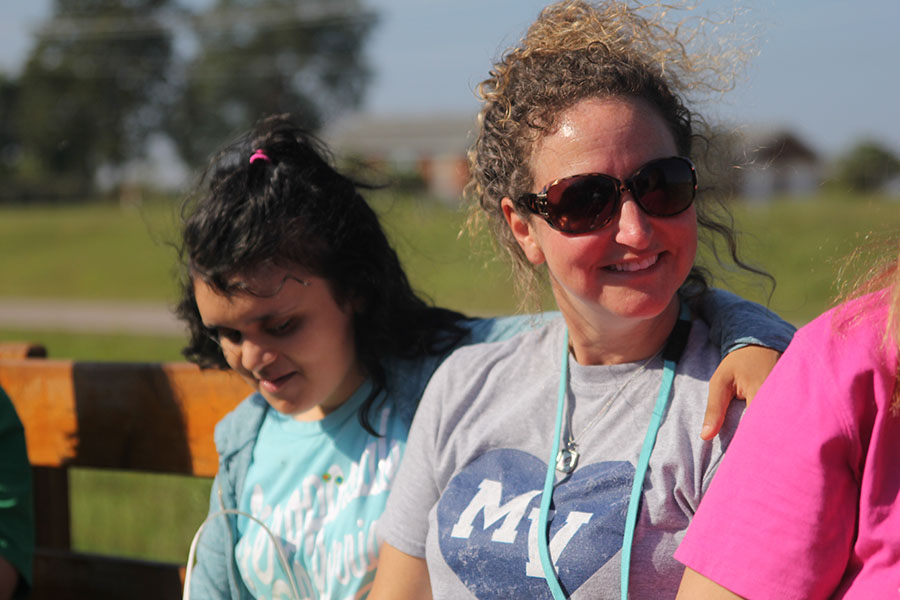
319 486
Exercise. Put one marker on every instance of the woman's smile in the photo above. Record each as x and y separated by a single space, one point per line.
634 265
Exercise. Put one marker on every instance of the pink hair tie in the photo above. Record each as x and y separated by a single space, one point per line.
259 155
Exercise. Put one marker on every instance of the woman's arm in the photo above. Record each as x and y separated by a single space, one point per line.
695 586
400 576
735 322
739 375
750 338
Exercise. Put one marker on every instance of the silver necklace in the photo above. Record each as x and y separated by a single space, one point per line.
567 458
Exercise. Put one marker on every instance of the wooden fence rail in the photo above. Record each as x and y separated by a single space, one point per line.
150 417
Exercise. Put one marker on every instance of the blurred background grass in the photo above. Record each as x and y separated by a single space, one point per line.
103 251
109 252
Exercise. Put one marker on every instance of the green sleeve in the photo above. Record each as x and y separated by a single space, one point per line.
16 510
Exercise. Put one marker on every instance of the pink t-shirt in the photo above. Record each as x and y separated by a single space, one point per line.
806 503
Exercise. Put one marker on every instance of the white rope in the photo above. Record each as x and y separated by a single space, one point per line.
231 511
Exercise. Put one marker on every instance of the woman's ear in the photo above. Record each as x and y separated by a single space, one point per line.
523 232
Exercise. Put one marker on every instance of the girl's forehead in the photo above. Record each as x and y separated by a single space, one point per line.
262 289
267 279
242 308
264 281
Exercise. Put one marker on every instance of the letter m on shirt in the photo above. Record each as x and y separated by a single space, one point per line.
487 500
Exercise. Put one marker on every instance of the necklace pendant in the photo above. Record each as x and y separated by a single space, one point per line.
567 459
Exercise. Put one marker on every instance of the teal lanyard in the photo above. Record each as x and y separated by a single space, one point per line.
671 354
550 479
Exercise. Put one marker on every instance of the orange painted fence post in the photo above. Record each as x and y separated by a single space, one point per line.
151 417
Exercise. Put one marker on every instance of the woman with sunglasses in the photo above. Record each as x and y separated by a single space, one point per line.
564 462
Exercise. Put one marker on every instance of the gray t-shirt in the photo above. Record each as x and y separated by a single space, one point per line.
468 490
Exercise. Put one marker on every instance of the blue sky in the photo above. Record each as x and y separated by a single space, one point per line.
826 69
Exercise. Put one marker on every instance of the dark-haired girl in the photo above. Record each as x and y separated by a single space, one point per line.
291 282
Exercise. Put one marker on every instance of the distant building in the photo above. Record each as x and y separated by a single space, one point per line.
777 162
772 162
434 147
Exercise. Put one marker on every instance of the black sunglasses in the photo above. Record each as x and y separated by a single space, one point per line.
582 203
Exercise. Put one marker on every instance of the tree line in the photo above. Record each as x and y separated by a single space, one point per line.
104 77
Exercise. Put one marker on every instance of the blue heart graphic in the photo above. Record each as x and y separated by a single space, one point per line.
488 510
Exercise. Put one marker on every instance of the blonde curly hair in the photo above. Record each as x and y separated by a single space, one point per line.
870 268
577 50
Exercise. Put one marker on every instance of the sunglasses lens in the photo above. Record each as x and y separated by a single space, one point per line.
581 203
664 187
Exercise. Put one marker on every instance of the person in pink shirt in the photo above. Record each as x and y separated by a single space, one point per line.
806 503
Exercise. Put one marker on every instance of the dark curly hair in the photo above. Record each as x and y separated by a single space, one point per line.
574 51
295 209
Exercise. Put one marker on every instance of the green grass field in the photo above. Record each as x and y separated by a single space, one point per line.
807 244
102 251
94 251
